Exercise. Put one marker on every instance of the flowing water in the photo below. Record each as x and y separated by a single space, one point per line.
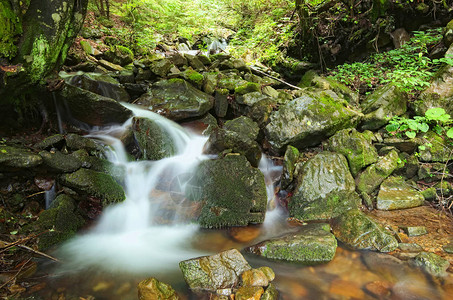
148 234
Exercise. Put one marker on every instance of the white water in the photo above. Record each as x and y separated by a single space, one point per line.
129 235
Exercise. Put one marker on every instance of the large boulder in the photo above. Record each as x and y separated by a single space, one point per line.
12 158
395 193
176 99
91 108
232 192
356 146
438 94
211 273
385 103
313 244
153 141
359 231
119 55
309 119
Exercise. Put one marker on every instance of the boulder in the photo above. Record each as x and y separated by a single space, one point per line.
244 126
160 67
110 66
119 55
210 83
229 81
192 76
356 146
438 94
12 158
91 108
309 119
96 184
374 175
153 289
54 141
232 192
270 293
101 84
59 162
395 193
313 244
153 141
176 99
432 264
379 107
439 151
76 142
289 166
249 293
194 61
359 231
211 273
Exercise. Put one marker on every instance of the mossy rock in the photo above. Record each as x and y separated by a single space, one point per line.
54 141
308 120
359 231
438 152
12 158
62 219
96 184
248 87
59 162
432 264
231 191
289 166
230 81
195 78
395 193
76 142
244 126
313 244
153 289
119 55
221 102
160 67
10 27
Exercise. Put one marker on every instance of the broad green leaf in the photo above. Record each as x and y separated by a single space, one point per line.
413 125
421 147
423 127
450 133
435 113
392 127
410 134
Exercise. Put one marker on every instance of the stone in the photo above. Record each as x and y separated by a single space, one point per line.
414 230
178 59
210 273
378 289
17 158
90 108
410 247
268 272
385 103
438 94
229 81
309 119
356 146
429 194
192 76
96 184
53 141
432 264
89 49
313 244
374 175
244 126
249 293
254 277
160 67
270 293
76 142
289 166
194 62
359 231
119 55
248 87
59 162
153 289
448 248
176 99
110 66
438 152
396 193
233 193
152 139
270 92
210 83
448 34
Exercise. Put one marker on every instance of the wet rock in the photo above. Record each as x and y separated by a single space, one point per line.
378 289
76 142
309 119
94 183
403 145
17 158
210 83
195 78
254 277
59 162
110 66
119 55
432 264
160 67
249 293
243 126
204 59
214 272
410 247
194 62
178 59
385 103
438 94
313 244
414 230
374 175
270 293
153 289
359 231
289 166
176 99
356 146
221 102
153 140
312 79
53 141
448 248
62 219
396 193
232 191
438 152
91 108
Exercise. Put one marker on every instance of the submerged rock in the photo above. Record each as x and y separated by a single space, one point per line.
176 99
432 264
356 146
17 158
95 183
309 119
359 231
313 244
153 289
395 193
211 273
232 192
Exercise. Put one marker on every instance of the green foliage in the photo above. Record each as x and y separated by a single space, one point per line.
10 27
435 119
409 67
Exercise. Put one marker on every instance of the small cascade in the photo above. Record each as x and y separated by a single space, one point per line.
49 196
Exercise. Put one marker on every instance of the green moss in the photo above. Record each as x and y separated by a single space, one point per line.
126 51
10 27
248 87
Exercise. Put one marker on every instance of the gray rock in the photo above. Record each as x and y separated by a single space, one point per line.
54 141
432 264
221 102
59 162
211 273
309 119
17 158
194 62
243 126
395 193
119 55
153 289
76 142
160 67
289 166
313 244
414 230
